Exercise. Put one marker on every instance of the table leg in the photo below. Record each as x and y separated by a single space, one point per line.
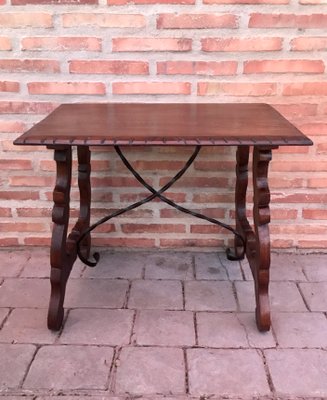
261 216
61 255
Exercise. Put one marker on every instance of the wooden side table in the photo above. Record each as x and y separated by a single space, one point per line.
117 124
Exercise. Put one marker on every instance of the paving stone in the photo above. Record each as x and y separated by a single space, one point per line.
233 268
25 292
314 267
70 367
298 372
152 294
209 267
220 330
315 295
12 262
284 296
38 265
227 372
3 314
284 267
98 326
118 265
15 359
164 328
300 329
27 325
256 339
168 265
209 296
147 370
96 293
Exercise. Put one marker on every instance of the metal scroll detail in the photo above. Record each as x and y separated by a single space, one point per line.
155 194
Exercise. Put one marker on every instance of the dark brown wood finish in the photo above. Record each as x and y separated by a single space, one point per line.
241 125
164 124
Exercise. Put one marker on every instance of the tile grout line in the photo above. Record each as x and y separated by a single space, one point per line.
303 297
111 383
38 347
267 371
187 387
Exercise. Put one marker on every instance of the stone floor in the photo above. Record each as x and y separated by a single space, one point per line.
163 325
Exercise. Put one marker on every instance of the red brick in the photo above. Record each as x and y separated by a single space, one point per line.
296 110
124 2
106 228
46 43
116 181
19 195
231 44
26 20
213 198
103 20
22 227
115 67
206 229
37 241
214 165
314 214
285 182
283 214
12 126
153 228
8 242
298 166
15 65
322 148
151 88
246 1
309 198
314 128
52 2
313 244
197 21
305 89
7 86
313 2
209 212
284 66
15 164
236 89
124 242
74 88
151 44
5 43
197 182
34 212
298 229
309 43
133 197
258 20
317 183
30 181
5 212
188 243
282 243
162 165
197 67
24 107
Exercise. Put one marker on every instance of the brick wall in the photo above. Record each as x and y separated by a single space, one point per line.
272 51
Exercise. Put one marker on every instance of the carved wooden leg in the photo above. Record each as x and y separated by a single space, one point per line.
61 260
261 216
84 171
242 160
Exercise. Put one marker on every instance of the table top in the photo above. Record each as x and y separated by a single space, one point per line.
164 124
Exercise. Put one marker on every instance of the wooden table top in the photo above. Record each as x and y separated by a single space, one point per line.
164 124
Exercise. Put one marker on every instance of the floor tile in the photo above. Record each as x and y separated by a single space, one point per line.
315 295
209 296
12 262
209 267
147 370
284 296
233 268
118 265
300 329
169 265
98 326
27 325
15 359
314 267
226 372
70 367
164 328
25 292
153 294
3 314
298 372
256 339
284 267
96 293
220 330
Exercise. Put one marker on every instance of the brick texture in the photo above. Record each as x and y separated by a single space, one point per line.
270 51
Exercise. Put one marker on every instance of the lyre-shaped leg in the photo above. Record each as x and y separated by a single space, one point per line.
60 258
261 216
